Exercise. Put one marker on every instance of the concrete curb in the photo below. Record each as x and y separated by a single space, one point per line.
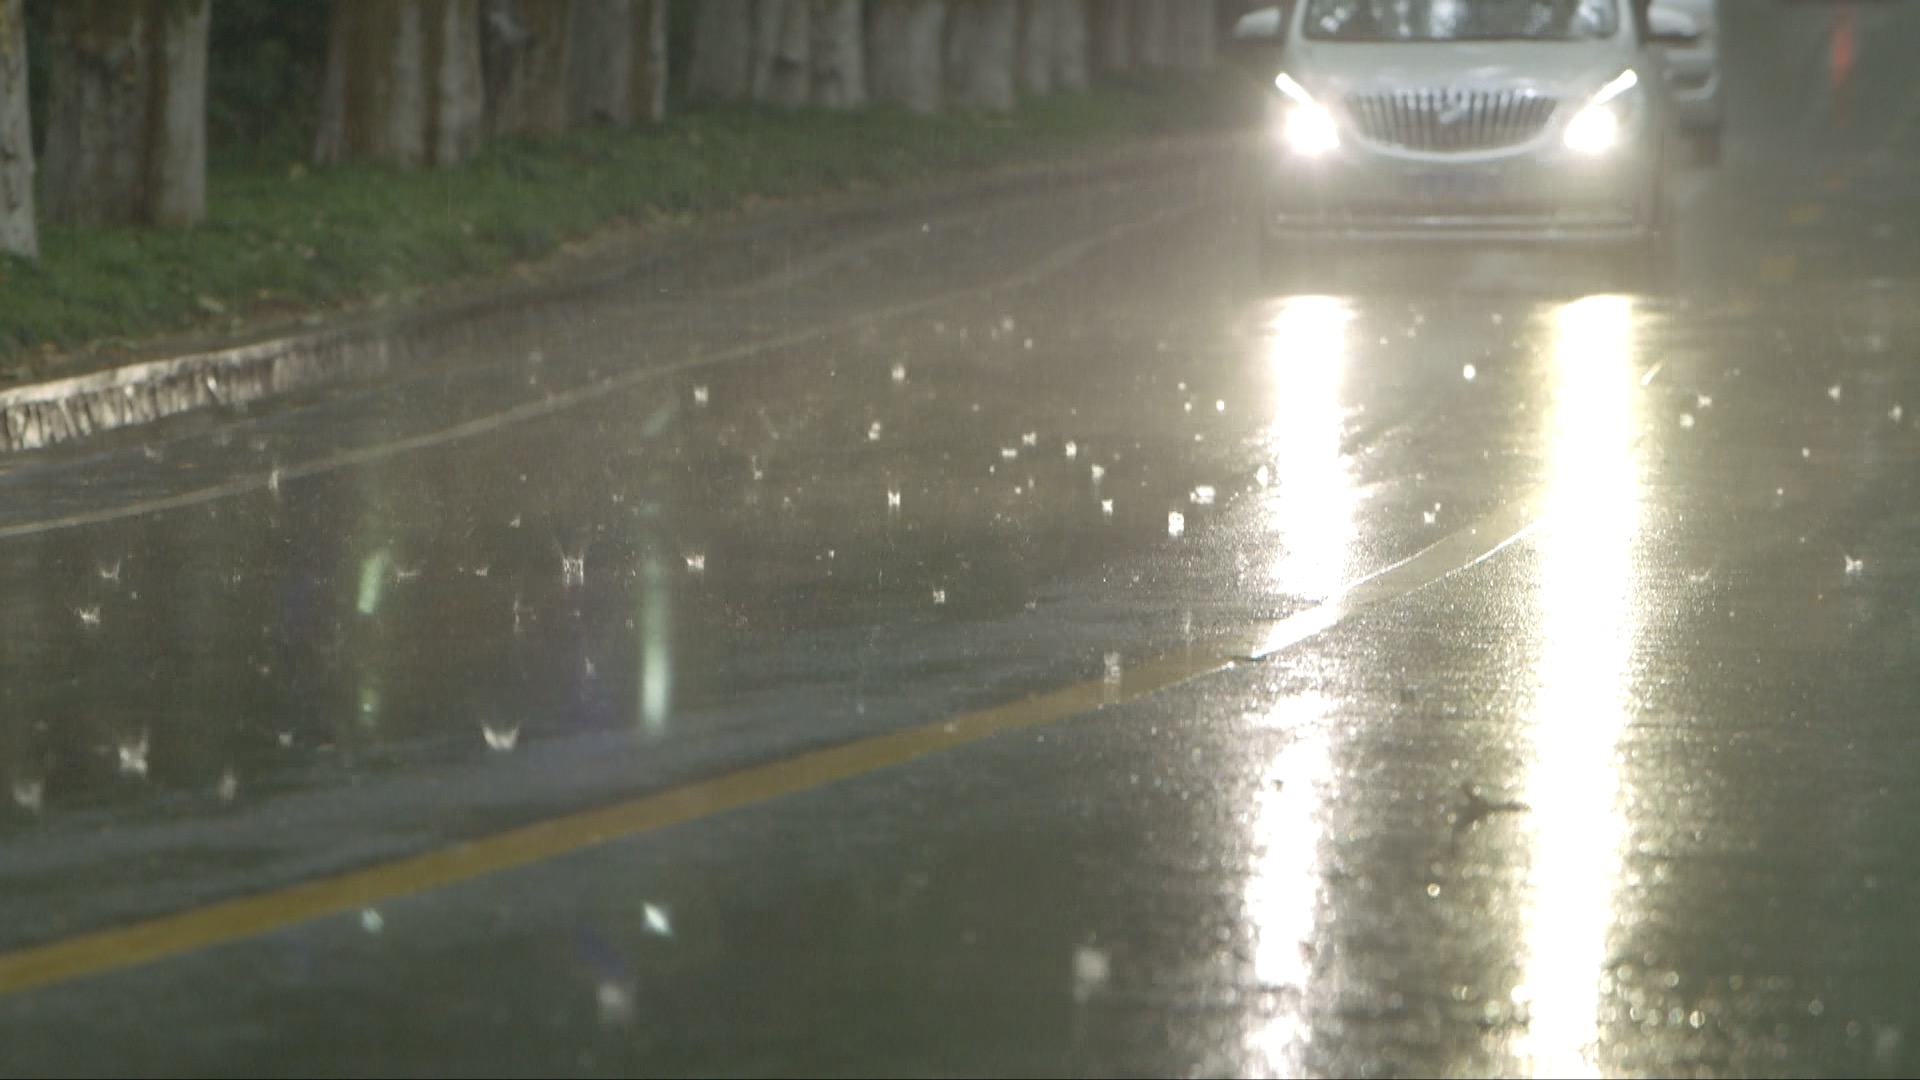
44 414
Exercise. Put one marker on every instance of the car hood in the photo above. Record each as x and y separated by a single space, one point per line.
1558 69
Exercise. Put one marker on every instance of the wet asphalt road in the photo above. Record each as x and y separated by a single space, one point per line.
1004 633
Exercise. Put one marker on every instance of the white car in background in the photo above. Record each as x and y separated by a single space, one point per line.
1494 120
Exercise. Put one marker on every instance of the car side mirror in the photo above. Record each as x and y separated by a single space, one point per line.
1261 26
1671 27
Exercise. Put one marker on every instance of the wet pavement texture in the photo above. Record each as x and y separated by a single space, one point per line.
1015 637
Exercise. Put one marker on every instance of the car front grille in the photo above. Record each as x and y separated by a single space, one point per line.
1451 121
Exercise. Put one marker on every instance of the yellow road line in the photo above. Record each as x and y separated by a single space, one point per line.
230 920
1778 269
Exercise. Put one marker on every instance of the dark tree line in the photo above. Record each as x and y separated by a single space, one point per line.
129 87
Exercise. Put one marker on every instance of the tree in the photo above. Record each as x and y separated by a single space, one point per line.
524 57
1153 32
906 52
619 70
983 39
839 65
1111 26
1038 22
1070 46
1191 29
721 68
17 232
1053 46
782 50
789 53
402 83
127 112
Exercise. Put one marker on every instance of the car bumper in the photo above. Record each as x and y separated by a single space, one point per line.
1545 195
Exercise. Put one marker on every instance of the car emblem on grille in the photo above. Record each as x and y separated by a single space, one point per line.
1456 109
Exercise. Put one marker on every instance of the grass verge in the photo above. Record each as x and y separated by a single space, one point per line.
281 239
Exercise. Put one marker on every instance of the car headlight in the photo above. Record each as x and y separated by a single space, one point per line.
1595 129
1308 128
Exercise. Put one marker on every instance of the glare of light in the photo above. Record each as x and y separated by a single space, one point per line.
614 1001
1291 87
657 921
1586 627
132 750
500 736
30 794
369 705
656 645
1283 900
1621 83
1310 130
1091 969
373 579
1313 499
1593 130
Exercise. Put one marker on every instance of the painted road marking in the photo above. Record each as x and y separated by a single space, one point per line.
155 939
1778 269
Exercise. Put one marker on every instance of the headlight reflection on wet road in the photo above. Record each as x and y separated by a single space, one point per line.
1311 510
1283 898
1586 628
1313 499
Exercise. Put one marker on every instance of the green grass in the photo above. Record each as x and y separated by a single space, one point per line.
282 239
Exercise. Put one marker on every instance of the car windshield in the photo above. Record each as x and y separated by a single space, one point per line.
1461 20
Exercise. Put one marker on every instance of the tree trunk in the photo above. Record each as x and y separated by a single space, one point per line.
1191 32
1037 27
1152 32
402 83
905 52
839 54
618 73
789 53
1070 46
1111 23
126 112
782 52
524 57
722 64
178 154
18 235
456 105
983 39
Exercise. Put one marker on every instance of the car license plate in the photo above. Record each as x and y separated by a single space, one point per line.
1455 185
